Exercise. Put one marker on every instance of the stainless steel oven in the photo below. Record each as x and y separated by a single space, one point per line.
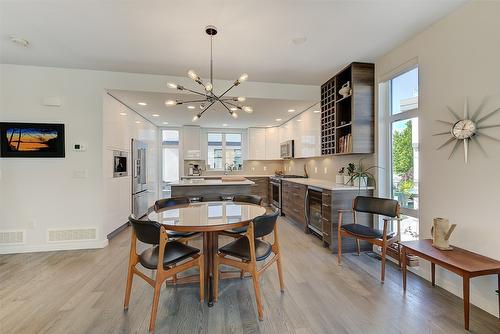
314 209
275 192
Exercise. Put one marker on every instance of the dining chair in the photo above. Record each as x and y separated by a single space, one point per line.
249 250
171 202
380 206
211 198
163 256
252 199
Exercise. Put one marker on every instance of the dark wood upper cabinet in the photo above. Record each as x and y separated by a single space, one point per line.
347 123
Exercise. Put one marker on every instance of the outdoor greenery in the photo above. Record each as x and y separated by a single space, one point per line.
403 150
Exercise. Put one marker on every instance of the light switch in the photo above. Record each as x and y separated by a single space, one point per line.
316 170
325 170
80 174
265 168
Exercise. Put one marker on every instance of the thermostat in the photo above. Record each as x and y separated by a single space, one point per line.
79 147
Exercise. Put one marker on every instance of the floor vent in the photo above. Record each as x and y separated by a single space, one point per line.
72 235
11 237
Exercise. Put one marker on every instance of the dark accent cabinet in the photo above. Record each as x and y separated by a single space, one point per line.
347 121
293 196
261 188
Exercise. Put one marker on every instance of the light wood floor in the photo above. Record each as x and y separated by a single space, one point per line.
82 292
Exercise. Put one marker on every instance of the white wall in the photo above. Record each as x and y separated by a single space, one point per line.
458 56
39 194
118 130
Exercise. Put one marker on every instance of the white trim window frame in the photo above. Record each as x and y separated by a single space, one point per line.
224 147
386 120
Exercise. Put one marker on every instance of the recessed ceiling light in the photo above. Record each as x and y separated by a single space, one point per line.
278 119
142 103
123 113
299 120
224 124
291 110
315 111
165 123
191 107
233 108
138 122
155 115
20 41
299 40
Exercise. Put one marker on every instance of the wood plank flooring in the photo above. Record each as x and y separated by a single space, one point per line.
82 292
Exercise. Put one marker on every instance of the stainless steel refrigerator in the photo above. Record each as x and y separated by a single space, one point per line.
141 188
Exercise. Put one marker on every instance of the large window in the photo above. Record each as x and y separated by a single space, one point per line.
401 126
224 151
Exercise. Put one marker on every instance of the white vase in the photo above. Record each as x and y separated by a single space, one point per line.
339 179
347 180
360 181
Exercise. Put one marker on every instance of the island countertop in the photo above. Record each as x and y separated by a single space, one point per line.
209 182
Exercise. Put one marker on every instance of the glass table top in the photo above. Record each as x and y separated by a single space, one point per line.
207 215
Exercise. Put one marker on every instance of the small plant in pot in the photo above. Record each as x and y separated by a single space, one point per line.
361 175
339 178
351 168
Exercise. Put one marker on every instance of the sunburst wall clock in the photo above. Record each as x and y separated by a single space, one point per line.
467 129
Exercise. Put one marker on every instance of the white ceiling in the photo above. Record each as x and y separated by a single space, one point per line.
167 37
266 111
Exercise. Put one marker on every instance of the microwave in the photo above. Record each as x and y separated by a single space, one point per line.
287 149
119 163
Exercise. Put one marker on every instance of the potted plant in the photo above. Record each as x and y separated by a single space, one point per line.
339 178
361 176
351 168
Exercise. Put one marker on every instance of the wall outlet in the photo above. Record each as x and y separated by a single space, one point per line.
265 168
253 169
325 170
315 170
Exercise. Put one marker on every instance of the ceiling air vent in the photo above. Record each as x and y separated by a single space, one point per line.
72 235
11 237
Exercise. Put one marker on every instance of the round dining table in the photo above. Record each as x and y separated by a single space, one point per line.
210 218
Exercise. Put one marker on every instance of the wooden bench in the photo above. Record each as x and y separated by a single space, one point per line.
460 261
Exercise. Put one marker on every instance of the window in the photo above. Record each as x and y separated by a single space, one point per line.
399 102
224 151
170 155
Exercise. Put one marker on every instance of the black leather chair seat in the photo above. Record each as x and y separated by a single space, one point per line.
240 248
174 252
365 231
177 234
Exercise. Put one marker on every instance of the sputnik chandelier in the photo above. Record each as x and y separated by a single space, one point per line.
208 98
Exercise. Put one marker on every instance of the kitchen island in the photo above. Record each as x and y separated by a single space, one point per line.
225 186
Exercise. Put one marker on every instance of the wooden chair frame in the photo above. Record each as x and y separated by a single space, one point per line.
383 243
251 266
161 273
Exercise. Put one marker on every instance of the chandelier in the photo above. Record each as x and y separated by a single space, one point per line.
207 97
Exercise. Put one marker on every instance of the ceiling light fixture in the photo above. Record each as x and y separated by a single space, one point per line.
315 111
291 110
165 123
208 97
138 122
224 124
142 103
299 120
123 113
191 107
278 119
155 115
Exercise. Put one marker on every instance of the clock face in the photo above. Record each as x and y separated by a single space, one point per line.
464 129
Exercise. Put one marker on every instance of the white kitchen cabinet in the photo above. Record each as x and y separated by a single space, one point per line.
256 144
191 143
272 143
305 131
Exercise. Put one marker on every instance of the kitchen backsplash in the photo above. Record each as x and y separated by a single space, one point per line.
325 168
250 167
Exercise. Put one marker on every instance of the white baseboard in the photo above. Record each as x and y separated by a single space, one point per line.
50 247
